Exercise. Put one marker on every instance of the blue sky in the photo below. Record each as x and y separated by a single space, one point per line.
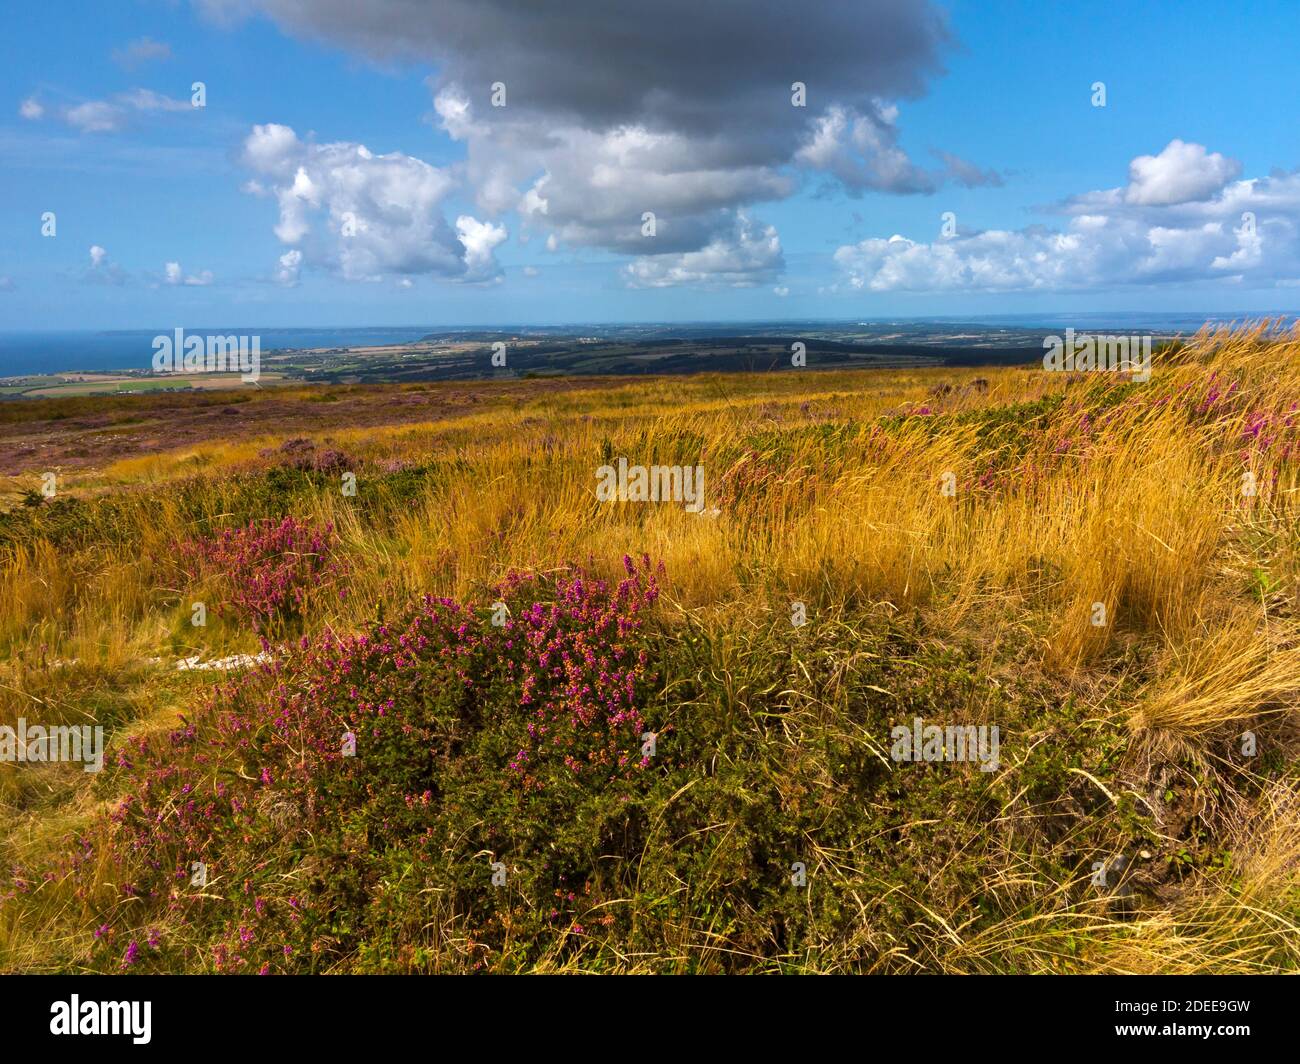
349 169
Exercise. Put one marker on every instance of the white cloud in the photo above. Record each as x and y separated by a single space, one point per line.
102 269
272 149
1185 223
861 149
364 216
590 189
290 268
107 116
148 100
479 239
1180 173
95 117
174 275
748 255
453 110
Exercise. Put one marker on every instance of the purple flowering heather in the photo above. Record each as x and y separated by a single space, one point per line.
268 566
564 680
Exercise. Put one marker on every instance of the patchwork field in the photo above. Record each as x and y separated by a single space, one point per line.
462 715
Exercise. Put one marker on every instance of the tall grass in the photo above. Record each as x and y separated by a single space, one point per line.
1006 516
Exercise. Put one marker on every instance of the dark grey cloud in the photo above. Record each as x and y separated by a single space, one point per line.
682 108
699 67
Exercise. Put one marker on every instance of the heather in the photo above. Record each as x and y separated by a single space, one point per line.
471 720
394 726
264 571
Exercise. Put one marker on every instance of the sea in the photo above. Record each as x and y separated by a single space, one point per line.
31 353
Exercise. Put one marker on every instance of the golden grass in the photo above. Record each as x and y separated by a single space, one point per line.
1139 509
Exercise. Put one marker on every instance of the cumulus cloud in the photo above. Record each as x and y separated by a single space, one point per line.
31 109
594 188
1182 218
748 255
102 269
861 149
361 215
1179 174
174 275
678 108
290 268
479 238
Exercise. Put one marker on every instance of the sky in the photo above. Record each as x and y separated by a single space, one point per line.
168 163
